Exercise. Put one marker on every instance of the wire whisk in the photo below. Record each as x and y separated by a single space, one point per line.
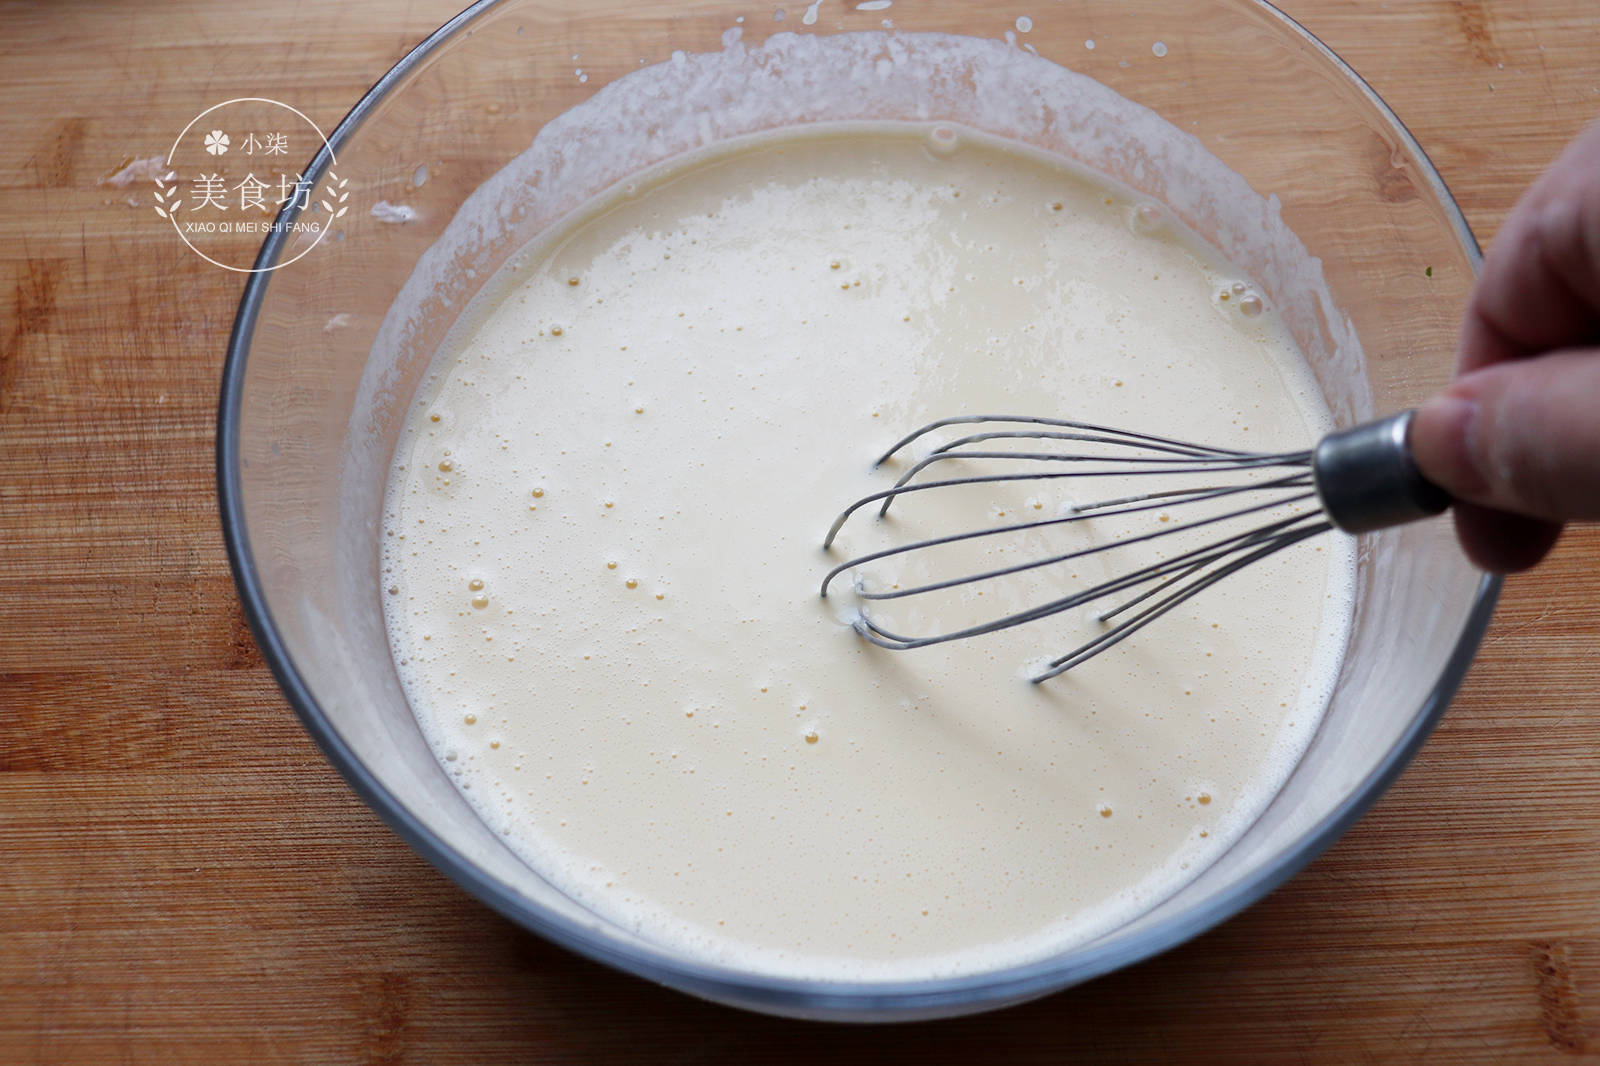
1355 480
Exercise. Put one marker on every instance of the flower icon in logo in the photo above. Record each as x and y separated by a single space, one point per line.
216 142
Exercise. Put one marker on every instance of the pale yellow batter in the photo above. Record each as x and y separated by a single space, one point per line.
603 556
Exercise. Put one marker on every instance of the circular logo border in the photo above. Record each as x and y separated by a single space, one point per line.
171 217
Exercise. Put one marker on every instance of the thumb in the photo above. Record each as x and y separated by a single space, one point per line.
1520 436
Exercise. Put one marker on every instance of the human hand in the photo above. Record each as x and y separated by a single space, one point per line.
1515 438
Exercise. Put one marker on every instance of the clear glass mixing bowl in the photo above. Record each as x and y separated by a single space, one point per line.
302 456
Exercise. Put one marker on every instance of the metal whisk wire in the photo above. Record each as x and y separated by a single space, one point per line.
1171 581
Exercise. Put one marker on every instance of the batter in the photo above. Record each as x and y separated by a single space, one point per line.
602 558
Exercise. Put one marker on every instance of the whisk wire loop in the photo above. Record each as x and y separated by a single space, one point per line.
1188 562
1291 459
1033 564
1135 465
1126 629
1030 420
1105 453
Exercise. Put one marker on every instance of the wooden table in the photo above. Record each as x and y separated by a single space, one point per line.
184 879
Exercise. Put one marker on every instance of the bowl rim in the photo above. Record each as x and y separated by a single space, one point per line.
832 1000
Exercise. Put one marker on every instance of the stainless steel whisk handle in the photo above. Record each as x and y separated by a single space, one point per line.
1367 477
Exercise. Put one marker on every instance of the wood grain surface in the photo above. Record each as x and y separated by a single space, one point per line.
183 878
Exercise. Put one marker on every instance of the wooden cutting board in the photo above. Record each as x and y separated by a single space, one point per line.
184 879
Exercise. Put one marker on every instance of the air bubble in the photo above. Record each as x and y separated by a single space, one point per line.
419 177
943 140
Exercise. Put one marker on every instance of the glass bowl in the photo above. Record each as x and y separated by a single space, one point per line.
304 445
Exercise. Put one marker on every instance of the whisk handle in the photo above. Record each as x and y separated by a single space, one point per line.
1367 477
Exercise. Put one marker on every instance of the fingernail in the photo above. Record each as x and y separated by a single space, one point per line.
1444 438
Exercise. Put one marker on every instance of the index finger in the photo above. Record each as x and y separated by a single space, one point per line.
1540 286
